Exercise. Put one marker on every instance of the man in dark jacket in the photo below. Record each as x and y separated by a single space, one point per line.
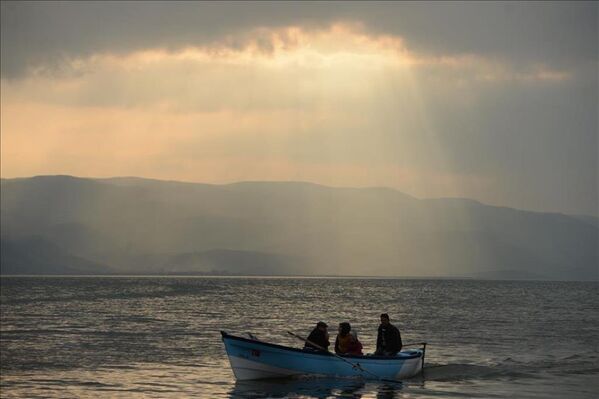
319 336
388 340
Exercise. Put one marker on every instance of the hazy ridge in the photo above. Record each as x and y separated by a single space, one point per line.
69 225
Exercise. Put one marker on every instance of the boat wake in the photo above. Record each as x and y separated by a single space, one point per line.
513 369
455 372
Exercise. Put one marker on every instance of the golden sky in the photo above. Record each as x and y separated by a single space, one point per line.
337 103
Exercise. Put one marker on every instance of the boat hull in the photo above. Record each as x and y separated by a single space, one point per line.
253 360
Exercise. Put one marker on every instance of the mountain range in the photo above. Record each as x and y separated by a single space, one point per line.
71 225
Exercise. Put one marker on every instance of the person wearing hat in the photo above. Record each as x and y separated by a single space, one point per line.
388 341
319 336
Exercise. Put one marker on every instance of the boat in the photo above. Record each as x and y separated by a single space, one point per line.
253 359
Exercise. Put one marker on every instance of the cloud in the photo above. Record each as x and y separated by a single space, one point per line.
337 93
47 35
288 67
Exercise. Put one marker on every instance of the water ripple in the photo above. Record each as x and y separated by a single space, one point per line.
159 337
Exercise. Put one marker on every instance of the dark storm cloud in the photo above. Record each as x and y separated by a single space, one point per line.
44 34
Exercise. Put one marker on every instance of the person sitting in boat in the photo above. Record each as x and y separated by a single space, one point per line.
346 344
388 340
355 346
318 336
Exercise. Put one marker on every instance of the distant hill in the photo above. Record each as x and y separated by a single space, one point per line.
223 261
592 220
135 225
35 255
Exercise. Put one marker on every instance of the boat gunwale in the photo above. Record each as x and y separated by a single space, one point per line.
402 357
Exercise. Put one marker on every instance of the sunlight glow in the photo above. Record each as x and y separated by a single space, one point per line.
338 106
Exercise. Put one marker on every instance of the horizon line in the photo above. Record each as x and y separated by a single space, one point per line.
282 276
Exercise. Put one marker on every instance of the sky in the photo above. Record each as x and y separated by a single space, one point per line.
491 101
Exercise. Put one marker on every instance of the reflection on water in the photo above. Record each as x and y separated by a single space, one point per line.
315 387
306 387
159 337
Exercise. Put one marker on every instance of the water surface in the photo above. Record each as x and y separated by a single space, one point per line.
159 337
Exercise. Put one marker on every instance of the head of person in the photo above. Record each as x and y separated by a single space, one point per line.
344 328
385 319
322 326
354 334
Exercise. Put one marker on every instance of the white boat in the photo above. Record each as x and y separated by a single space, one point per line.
252 359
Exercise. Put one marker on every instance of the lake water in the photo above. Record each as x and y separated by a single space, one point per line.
65 337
